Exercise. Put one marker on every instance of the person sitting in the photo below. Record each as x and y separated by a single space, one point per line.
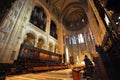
88 67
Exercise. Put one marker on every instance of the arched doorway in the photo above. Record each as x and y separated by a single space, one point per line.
40 43
30 39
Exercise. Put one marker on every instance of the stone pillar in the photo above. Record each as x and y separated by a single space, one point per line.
60 39
12 39
47 31
98 29
66 55
36 42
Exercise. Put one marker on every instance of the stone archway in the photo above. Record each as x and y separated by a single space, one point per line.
40 43
30 39
50 47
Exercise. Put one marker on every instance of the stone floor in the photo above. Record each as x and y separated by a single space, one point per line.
65 74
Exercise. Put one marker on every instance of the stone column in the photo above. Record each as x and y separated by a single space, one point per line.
12 39
67 61
36 42
98 29
60 39
47 31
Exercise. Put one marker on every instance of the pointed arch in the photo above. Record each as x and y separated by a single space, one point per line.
38 17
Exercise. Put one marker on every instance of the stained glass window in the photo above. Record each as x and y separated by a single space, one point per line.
72 40
80 38
38 18
53 30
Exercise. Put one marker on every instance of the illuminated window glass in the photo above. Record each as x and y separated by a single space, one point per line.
72 40
80 38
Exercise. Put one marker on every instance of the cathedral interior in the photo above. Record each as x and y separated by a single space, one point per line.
39 36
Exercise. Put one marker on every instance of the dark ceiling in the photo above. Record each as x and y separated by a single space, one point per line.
113 5
4 6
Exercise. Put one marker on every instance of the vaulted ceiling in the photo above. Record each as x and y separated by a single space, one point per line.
70 12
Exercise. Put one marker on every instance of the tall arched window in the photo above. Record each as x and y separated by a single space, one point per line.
80 38
72 40
53 30
38 18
